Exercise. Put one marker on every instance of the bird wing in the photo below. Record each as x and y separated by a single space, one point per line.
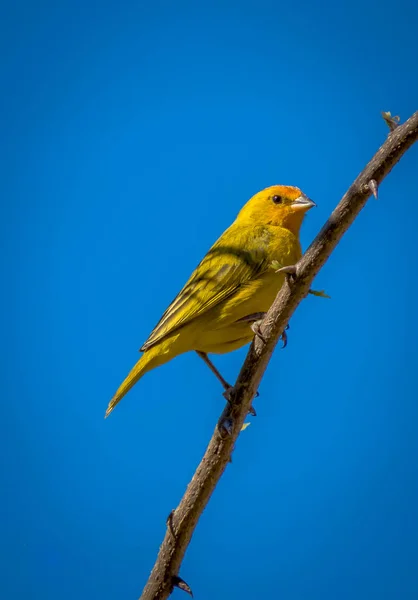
238 257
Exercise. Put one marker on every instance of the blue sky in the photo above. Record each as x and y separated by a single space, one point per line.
132 133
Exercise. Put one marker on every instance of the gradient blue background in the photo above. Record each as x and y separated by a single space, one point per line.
131 134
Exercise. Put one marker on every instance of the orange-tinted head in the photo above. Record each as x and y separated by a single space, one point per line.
280 205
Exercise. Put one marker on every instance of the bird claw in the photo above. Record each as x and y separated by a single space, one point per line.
283 337
255 327
255 320
290 271
373 187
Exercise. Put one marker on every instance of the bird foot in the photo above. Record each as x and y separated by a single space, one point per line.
227 394
255 327
228 397
255 320
290 271
226 426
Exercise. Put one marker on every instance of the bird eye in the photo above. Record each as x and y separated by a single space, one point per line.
277 199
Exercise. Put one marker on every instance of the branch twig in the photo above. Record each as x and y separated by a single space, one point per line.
183 520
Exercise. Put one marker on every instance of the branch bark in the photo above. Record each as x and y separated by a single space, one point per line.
182 522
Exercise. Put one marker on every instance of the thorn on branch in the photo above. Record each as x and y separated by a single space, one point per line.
181 584
373 187
319 294
391 122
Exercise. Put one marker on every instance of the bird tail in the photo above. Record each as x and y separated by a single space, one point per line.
149 360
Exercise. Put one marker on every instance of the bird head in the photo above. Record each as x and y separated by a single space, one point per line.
280 205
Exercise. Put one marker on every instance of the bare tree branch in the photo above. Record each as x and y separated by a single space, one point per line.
182 521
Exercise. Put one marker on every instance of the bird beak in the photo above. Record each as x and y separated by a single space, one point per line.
303 203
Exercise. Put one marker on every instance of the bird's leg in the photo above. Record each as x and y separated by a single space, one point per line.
227 387
214 370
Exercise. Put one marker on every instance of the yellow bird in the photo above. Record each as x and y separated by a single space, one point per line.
219 308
